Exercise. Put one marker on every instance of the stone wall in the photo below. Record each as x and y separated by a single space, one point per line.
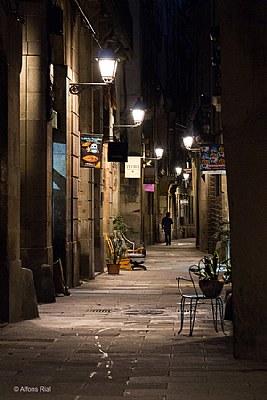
244 97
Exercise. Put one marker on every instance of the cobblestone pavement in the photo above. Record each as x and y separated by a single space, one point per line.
116 337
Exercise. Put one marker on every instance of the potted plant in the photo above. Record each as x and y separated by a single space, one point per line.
208 272
222 237
117 250
120 225
223 248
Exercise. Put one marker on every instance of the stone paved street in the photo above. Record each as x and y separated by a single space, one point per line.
116 337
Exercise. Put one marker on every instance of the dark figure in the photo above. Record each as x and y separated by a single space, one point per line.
167 227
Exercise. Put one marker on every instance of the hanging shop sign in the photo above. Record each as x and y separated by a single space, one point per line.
133 167
149 187
212 159
149 175
117 151
91 150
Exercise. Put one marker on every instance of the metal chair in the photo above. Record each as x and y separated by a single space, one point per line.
137 255
194 297
135 258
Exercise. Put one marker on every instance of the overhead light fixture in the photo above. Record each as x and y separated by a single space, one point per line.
107 64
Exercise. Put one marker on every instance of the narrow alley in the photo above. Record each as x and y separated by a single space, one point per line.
116 337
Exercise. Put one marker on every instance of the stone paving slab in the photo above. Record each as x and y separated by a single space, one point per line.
116 337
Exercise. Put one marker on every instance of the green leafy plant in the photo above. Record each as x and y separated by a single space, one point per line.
118 247
222 236
208 267
223 248
208 272
120 225
116 242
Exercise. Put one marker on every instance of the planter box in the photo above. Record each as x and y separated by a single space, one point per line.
211 288
113 268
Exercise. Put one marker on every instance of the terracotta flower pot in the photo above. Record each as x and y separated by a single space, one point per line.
113 268
211 288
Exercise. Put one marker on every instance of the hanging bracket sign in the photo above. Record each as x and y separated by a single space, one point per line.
91 150
133 167
212 159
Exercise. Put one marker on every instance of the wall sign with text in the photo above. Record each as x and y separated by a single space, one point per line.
133 167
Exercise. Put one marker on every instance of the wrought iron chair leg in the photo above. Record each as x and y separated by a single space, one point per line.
182 305
193 309
215 308
220 304
215 314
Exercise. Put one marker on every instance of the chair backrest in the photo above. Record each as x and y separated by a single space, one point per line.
132 246
193 269
110 245
192 281
129 242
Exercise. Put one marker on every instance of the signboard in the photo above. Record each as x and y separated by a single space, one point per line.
149 175
212 159
149 187
133 167
117 151
91 150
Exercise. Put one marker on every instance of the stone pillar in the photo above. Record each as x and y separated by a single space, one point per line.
244 117
36 140
15 303
99 239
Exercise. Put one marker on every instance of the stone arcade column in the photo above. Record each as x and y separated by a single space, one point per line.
244 99
36 141
17 295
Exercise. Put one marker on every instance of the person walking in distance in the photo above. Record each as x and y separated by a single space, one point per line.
167 227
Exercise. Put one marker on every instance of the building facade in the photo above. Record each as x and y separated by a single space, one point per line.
53 209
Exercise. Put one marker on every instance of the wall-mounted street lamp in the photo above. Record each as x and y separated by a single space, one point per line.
107 63
182 175
186 176
188 141
159 154
178 171
138 113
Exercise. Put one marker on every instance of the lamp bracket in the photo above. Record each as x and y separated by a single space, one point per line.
77 88
126 126
151 158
